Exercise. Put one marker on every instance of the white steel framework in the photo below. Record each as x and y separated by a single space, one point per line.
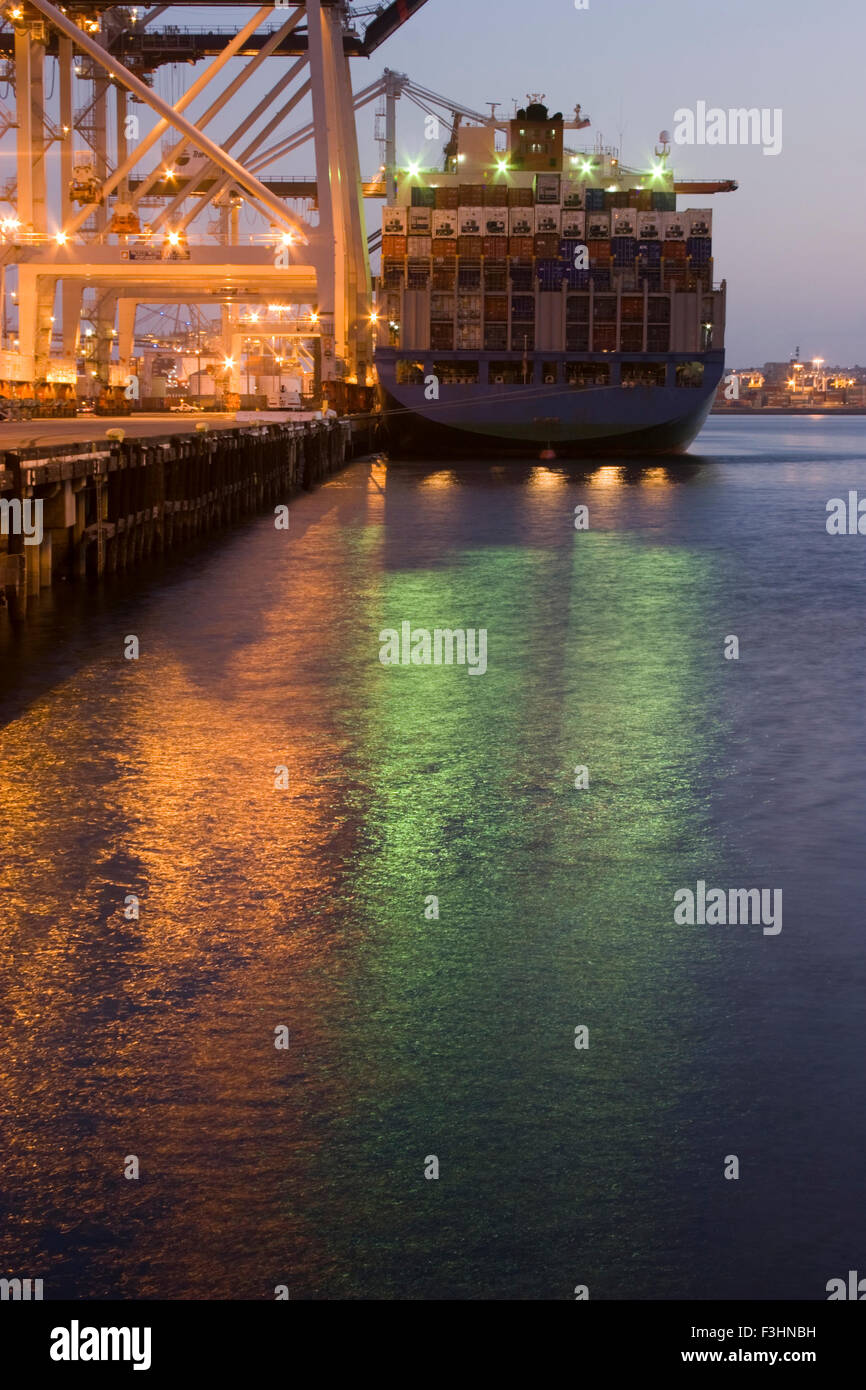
94 240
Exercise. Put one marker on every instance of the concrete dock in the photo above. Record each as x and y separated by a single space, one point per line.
96 495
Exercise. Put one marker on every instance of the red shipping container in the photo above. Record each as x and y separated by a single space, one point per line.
674 251
495 195
496 308
445 248
520 198
521 246
470 195
394 247
469 246
496 247
447 197
547 246
442 337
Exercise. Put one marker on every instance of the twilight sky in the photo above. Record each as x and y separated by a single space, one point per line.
790 241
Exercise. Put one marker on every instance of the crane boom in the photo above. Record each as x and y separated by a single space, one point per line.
713 186
387 23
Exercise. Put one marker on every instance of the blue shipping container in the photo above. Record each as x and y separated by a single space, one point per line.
699 248
577 279
623 248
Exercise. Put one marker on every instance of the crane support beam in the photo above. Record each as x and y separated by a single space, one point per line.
246 180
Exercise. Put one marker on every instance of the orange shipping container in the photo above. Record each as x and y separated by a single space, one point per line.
599 250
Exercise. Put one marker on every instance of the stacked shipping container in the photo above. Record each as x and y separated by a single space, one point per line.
487 251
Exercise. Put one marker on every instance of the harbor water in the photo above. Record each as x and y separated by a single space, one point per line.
431 907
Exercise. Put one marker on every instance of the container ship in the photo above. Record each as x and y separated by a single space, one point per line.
535 297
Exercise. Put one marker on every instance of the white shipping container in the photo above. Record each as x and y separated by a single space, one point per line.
548 220
676 226
597 226
445 224
700 221
573 195
470 221
521 221
420 246
547 188
496 221
394 221
650 226
625 221
573 223
420 221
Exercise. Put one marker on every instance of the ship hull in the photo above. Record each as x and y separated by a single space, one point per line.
621 420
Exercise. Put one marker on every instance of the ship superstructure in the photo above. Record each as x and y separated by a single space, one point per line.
533 295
